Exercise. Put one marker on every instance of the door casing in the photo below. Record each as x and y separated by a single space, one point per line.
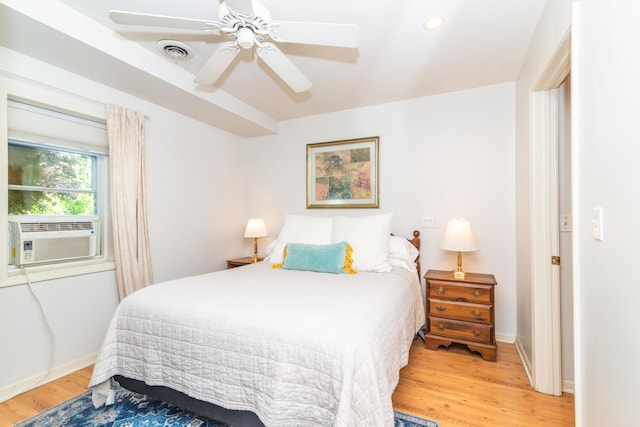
546 375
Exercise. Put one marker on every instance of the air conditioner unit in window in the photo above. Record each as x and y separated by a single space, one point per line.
41 239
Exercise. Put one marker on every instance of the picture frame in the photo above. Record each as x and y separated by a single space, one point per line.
343 174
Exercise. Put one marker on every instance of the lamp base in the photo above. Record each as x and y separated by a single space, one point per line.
255 250
459 274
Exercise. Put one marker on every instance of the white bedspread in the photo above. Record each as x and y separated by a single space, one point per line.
296 348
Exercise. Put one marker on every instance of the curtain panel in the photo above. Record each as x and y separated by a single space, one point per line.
126 132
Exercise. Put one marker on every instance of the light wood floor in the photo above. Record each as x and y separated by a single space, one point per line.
44 397
453 387
458 388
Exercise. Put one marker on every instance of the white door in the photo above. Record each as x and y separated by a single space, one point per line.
566 234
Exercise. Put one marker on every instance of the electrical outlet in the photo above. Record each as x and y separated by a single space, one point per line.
429 222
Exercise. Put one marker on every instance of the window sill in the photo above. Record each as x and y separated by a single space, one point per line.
16 276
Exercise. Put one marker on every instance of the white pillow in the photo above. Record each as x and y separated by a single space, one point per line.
402 253
369 238
268 251
315 230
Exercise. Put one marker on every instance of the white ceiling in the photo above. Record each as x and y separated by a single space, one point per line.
483 42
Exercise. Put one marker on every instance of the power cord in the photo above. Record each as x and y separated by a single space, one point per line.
51 334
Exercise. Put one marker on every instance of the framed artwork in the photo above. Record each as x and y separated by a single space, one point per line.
343 174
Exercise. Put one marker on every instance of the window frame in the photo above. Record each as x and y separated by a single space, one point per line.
95 164
73 105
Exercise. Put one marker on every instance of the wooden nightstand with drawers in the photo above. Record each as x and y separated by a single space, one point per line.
239 262
461 311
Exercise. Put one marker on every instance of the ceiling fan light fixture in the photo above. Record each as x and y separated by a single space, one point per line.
246 38
433 23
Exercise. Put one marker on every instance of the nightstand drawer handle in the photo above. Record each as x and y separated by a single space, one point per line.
441 308
476 293
440 290
477 334
477 314
441 327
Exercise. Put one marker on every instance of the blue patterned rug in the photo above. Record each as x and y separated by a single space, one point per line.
138 410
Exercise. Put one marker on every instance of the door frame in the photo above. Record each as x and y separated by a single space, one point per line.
545 277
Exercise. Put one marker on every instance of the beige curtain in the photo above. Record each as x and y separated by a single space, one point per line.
125 129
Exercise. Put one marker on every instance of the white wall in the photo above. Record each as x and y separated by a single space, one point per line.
196 184
552 27
78 308
606 89
445 155
195 197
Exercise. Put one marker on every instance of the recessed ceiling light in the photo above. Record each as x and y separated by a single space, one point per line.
433 23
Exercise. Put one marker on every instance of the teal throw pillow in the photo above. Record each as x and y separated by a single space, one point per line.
331 258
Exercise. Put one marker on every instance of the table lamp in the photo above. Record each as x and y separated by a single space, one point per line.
255 228
458 238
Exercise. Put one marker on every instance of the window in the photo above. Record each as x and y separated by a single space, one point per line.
51 181
57 167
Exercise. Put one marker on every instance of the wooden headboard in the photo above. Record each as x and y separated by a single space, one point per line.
416 242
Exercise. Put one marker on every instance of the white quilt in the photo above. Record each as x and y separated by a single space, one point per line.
296 348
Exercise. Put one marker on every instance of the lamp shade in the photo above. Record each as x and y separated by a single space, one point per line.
458 236
255 228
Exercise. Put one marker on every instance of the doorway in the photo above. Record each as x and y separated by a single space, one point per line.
546 372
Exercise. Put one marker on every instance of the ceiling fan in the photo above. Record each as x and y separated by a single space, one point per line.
248 23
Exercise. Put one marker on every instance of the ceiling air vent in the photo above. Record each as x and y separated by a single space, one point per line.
175 50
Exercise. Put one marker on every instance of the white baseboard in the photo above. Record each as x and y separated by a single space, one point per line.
509 339
568 387
524 359
36 380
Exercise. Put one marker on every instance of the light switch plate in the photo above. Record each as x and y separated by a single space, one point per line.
597 224
565 222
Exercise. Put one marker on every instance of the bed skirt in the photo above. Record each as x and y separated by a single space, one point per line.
205 409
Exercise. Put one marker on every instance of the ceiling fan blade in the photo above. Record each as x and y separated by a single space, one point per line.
282 66
245 7
145 19
339 35
219 61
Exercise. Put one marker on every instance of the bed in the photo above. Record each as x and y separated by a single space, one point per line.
273 343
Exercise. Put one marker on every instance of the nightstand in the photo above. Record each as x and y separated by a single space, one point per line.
239 262
461 311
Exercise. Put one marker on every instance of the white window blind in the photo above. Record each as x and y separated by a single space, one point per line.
29 122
